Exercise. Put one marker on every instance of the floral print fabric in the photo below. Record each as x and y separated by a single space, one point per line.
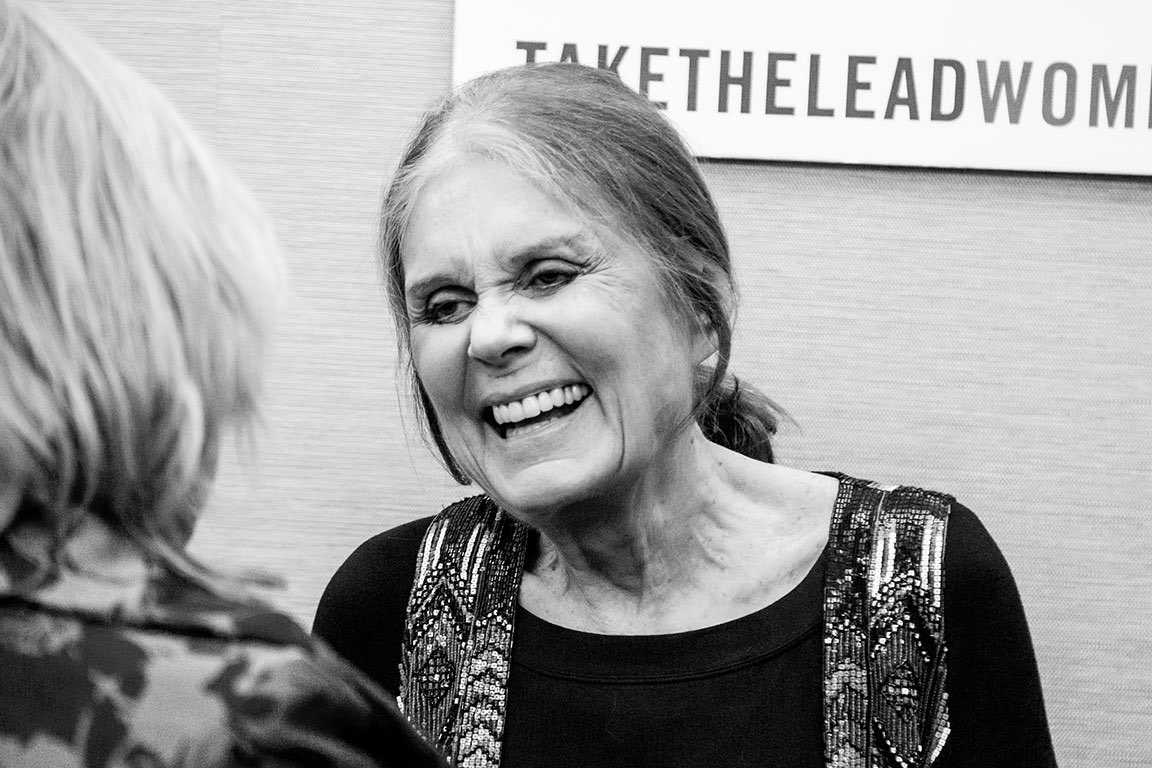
159 672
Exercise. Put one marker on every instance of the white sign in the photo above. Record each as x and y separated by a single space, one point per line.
1022 85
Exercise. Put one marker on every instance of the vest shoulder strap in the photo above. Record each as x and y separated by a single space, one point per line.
885 702
458 634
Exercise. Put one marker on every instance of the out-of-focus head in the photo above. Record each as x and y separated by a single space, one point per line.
586 139
138 281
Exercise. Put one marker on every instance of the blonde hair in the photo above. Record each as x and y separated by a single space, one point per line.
138 281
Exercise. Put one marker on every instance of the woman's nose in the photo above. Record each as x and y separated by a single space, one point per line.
498 334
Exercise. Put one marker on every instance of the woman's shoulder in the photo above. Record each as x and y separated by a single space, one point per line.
382 549
336 714
377 575
970 553
386 559
186 690
390 556
361 612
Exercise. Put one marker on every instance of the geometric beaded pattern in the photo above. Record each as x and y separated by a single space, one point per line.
458 634
885 702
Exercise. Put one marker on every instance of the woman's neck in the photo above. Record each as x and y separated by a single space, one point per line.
709 537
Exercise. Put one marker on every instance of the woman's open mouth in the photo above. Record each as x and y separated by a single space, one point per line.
536 409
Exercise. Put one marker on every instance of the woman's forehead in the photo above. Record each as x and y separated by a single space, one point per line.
485 199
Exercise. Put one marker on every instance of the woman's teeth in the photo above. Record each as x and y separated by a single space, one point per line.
534 405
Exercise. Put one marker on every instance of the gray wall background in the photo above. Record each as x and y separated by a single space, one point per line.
980 333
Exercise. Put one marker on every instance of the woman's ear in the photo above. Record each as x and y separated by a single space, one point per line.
705 342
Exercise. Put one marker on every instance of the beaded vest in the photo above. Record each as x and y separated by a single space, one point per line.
884 653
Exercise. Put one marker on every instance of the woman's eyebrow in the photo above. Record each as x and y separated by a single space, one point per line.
580 242
425 284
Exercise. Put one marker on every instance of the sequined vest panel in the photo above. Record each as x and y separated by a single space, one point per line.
884 654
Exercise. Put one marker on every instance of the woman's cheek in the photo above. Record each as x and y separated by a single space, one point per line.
437 362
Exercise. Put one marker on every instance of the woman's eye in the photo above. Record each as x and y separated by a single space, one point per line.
446 308
550 275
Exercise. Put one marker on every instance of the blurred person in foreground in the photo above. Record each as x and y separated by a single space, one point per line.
640 584
138 280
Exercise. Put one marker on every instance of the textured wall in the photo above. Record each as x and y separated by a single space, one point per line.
981 333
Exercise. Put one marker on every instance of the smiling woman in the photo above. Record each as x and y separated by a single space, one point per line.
639 584
514 296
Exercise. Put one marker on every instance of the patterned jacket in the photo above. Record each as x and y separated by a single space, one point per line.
121 663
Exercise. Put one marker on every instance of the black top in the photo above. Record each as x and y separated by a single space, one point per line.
745 692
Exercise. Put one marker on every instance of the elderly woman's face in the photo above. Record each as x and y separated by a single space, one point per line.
554 362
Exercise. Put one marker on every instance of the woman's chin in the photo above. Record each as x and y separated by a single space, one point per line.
536 494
